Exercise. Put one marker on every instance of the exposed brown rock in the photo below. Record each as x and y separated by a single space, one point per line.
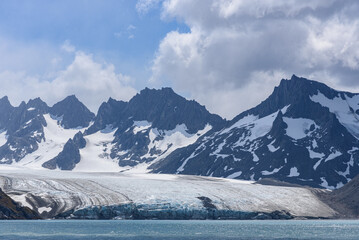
9 209
344 200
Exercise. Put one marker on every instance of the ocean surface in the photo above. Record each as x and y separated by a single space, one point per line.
184 230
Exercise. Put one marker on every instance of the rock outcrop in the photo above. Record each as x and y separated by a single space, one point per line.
9 209
344 200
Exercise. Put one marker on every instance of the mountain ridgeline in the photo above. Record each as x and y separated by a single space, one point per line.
304 133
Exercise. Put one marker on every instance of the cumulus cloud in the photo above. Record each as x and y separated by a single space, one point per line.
334 42
92 82
236 51
85 77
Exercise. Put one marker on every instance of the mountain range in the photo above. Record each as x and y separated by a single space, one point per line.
304 133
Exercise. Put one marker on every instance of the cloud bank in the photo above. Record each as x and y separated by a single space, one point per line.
236 51
91 81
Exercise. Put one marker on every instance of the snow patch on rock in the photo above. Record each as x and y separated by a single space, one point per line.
55 138
325 184
172 139
275 170
271 148
333 155
293 172
342 109
140 126
234 175
3 137
314 155
299 128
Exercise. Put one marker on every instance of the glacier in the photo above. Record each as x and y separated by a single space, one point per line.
113 195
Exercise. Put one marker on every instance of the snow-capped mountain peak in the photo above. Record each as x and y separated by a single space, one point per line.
305 133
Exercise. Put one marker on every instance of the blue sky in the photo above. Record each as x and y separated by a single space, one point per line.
226 54
111 30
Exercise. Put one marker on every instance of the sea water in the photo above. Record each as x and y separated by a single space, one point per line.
184 230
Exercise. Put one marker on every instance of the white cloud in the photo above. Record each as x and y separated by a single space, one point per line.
260 8
333 42
68 47
92 82
143 6
225 101
234 47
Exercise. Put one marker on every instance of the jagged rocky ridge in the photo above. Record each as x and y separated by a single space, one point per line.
22 127
304 133
124 134
152 124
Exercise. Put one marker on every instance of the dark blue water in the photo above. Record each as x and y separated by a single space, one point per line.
184 230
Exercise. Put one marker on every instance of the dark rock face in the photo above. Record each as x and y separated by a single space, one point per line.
5 110
296 91
79 140
72 113
67 159
24 125
344 200
69 156
38 105
304 133
150 110
290 137
24 130
109 114
165 110
9 209
207 203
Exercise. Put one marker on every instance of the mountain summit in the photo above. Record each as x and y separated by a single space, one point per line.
152 125
27 128
72 113
304 133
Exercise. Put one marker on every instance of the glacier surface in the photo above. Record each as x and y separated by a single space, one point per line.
53 193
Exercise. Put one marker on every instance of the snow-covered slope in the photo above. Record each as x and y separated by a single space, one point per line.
55 138
33 133
124 136
54 192
345 108
95 156
305 133
148 128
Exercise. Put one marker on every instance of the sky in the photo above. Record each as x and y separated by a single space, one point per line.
226 54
